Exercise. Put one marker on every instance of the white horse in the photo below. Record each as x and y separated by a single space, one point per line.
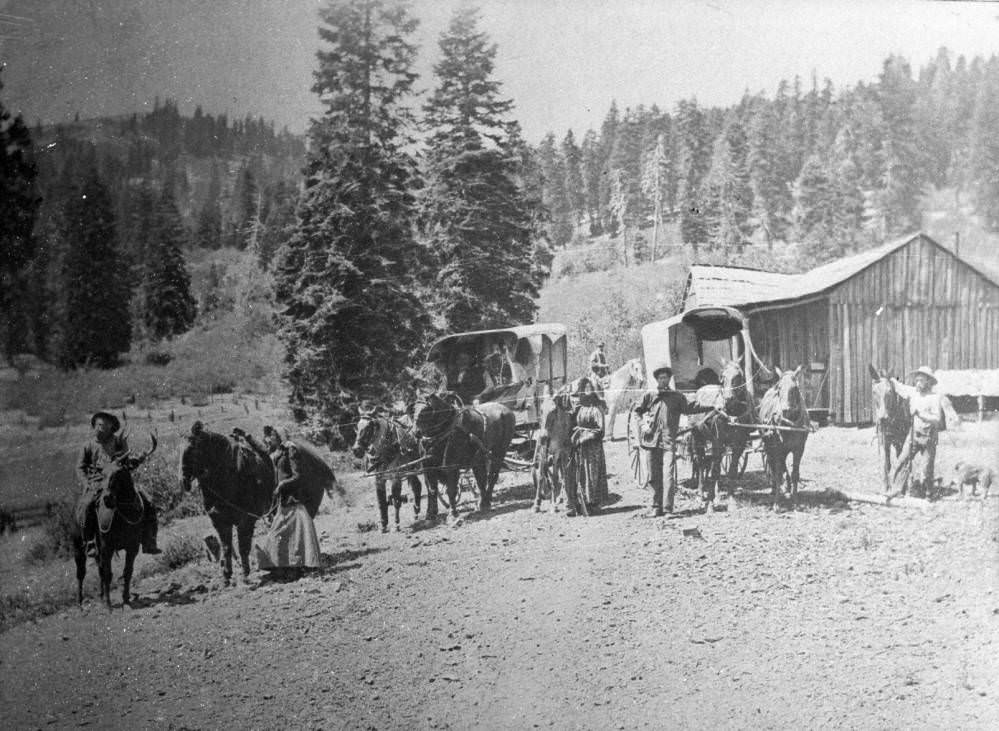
624 388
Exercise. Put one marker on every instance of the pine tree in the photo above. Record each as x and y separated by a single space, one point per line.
19 201
96 325
903 170
575 190
475 213
693 162
553 177
170 309
592 165
656 175
727 195
346 282
984 147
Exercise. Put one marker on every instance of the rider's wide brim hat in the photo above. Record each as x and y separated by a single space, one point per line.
115 424
925 371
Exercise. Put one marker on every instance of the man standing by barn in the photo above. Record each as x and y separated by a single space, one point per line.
660 412
928 420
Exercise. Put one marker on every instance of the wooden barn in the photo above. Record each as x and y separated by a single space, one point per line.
904 304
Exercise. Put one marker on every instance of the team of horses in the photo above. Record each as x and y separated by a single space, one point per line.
441 438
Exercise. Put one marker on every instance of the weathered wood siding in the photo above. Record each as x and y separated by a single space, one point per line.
920 305
793 336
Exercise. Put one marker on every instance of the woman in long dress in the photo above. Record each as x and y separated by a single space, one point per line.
588 443
291 545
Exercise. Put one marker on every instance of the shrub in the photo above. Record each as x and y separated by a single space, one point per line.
163 486
56 538
158 358
181 550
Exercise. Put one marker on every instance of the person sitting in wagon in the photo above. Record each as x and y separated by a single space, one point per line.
469 381
928 420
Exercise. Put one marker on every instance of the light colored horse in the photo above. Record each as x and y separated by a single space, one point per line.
625 387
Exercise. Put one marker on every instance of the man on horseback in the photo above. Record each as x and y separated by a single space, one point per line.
95 459
927 409
660 411
598 364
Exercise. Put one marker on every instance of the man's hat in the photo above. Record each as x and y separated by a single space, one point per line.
115 424
660 369
926 371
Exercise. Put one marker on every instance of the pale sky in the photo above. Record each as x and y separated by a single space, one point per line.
561 61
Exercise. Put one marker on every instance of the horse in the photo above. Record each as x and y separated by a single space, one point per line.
454 437
236 485
786 427
389 446
119 512
624 387
892 420
717 431
552 467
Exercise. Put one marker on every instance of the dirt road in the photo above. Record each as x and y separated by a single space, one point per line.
836 615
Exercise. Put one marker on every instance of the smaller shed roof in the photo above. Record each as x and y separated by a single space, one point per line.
968 382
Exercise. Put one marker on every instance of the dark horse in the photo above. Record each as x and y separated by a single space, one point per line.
786 427
392 452
236 486
892 420
717 432
553 454
119 512
454 438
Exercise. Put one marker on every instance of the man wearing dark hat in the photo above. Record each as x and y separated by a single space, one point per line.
598 362
660 411
927 409
106 446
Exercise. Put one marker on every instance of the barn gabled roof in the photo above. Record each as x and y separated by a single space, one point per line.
752 288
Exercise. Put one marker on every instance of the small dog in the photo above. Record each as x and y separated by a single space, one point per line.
975 475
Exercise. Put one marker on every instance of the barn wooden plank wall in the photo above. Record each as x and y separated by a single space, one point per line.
796 336
919 305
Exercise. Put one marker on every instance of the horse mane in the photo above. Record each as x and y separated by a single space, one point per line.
772 410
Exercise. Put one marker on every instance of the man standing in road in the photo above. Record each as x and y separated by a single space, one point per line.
660 412
927 409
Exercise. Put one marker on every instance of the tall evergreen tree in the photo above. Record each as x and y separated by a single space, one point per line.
592 166
346 280
693 162
19 201
553 178
575 189
475 213
656 174
727 195
97 326
984 147
170 309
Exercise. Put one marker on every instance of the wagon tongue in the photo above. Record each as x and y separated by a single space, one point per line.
714 323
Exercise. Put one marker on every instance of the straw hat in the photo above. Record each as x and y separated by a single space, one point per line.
926 371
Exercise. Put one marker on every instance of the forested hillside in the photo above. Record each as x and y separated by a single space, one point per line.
117 204
809 174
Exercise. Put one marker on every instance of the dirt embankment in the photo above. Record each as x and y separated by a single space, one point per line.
836 615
